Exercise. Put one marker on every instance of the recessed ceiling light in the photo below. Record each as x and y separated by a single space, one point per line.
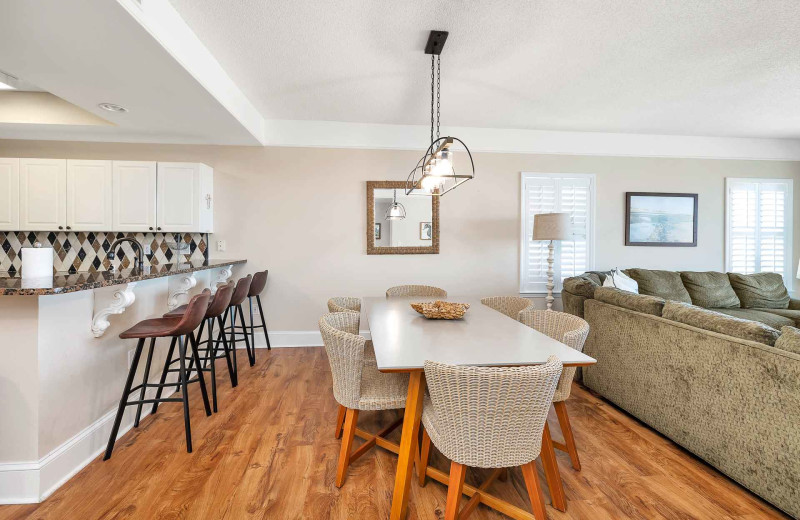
111 107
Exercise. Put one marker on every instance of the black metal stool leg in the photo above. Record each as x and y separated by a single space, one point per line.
185 393
251 355
252 325
211 357
199 335
200 378
144 382
231 365
232 341
164 374
124 401
263 320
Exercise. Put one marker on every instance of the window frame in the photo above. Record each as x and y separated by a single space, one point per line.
788 228
590 231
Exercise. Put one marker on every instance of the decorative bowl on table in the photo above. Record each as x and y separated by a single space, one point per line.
441 310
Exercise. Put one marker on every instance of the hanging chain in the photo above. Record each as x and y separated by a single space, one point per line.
433 80
438 88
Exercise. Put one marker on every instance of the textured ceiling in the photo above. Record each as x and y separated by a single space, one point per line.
683 67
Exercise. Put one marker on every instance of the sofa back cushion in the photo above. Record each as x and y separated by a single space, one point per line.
710 289
628 300
717 322
789 340
663 284
582 285
760 290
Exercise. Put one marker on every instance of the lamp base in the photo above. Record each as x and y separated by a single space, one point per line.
550 285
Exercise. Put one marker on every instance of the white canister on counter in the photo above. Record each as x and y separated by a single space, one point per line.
37 266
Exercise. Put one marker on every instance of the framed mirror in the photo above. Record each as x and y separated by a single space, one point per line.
400 224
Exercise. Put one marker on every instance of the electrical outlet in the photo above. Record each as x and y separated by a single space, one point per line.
131 352
220 245
147 250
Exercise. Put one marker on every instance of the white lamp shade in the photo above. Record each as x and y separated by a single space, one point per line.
551 226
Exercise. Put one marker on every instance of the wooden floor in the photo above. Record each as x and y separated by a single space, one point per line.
270 453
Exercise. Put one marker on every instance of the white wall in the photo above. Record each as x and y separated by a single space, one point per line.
269 202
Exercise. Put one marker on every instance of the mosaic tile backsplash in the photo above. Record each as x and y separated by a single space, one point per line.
87 251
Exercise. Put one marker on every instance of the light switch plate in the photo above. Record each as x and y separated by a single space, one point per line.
147 250
220 245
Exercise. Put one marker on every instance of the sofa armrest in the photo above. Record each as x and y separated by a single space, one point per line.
794 304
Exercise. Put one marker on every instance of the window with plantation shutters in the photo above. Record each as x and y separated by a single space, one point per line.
758 217
556 193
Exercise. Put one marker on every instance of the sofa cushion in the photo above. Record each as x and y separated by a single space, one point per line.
760 290
628 300
582 285
792 314
710 289
767 318
789 340
718 322
664 284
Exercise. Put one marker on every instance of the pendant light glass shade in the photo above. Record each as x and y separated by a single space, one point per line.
396 211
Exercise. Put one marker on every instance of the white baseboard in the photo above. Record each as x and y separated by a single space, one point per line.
32 482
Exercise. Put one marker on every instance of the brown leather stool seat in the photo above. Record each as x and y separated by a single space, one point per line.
256 288
234 308
177 328
207 348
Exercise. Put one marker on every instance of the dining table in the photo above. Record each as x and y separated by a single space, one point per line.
404 339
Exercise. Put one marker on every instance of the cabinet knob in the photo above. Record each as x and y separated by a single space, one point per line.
69 227
60 227
150 228
159 228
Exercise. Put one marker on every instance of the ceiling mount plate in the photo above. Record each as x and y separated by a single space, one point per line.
436 41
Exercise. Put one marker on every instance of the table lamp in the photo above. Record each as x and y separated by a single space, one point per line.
551 226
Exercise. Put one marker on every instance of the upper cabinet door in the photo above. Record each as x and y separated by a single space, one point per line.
134 196
43 194
179 197
9 194
89 195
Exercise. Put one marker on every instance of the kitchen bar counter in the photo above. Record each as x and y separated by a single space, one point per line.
11 285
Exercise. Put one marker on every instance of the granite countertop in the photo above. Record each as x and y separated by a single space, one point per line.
12 284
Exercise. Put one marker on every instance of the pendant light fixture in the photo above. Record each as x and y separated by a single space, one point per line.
435 174
396 211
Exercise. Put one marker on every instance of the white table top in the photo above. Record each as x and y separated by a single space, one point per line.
404 339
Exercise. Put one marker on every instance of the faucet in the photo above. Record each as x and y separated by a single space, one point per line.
134 242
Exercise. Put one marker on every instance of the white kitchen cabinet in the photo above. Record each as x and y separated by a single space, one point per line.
134 196
89 195
9 194
42 194
185 197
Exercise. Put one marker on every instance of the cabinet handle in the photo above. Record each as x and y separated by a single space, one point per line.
60 227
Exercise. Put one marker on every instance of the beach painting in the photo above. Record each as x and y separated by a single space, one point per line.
661 219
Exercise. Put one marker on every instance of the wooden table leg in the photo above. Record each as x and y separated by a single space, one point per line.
551 471
408 444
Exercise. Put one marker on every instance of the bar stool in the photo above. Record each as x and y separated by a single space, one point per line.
256 288
234 308
209 348
176 328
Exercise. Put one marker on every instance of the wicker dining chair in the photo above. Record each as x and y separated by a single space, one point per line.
344 304
357 384
487 417
571 331
511 306
416 290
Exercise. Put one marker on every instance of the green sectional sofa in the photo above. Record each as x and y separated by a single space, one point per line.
711 360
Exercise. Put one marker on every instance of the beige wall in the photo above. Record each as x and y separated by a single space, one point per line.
301 213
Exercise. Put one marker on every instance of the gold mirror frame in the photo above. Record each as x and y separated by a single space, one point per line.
433 249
